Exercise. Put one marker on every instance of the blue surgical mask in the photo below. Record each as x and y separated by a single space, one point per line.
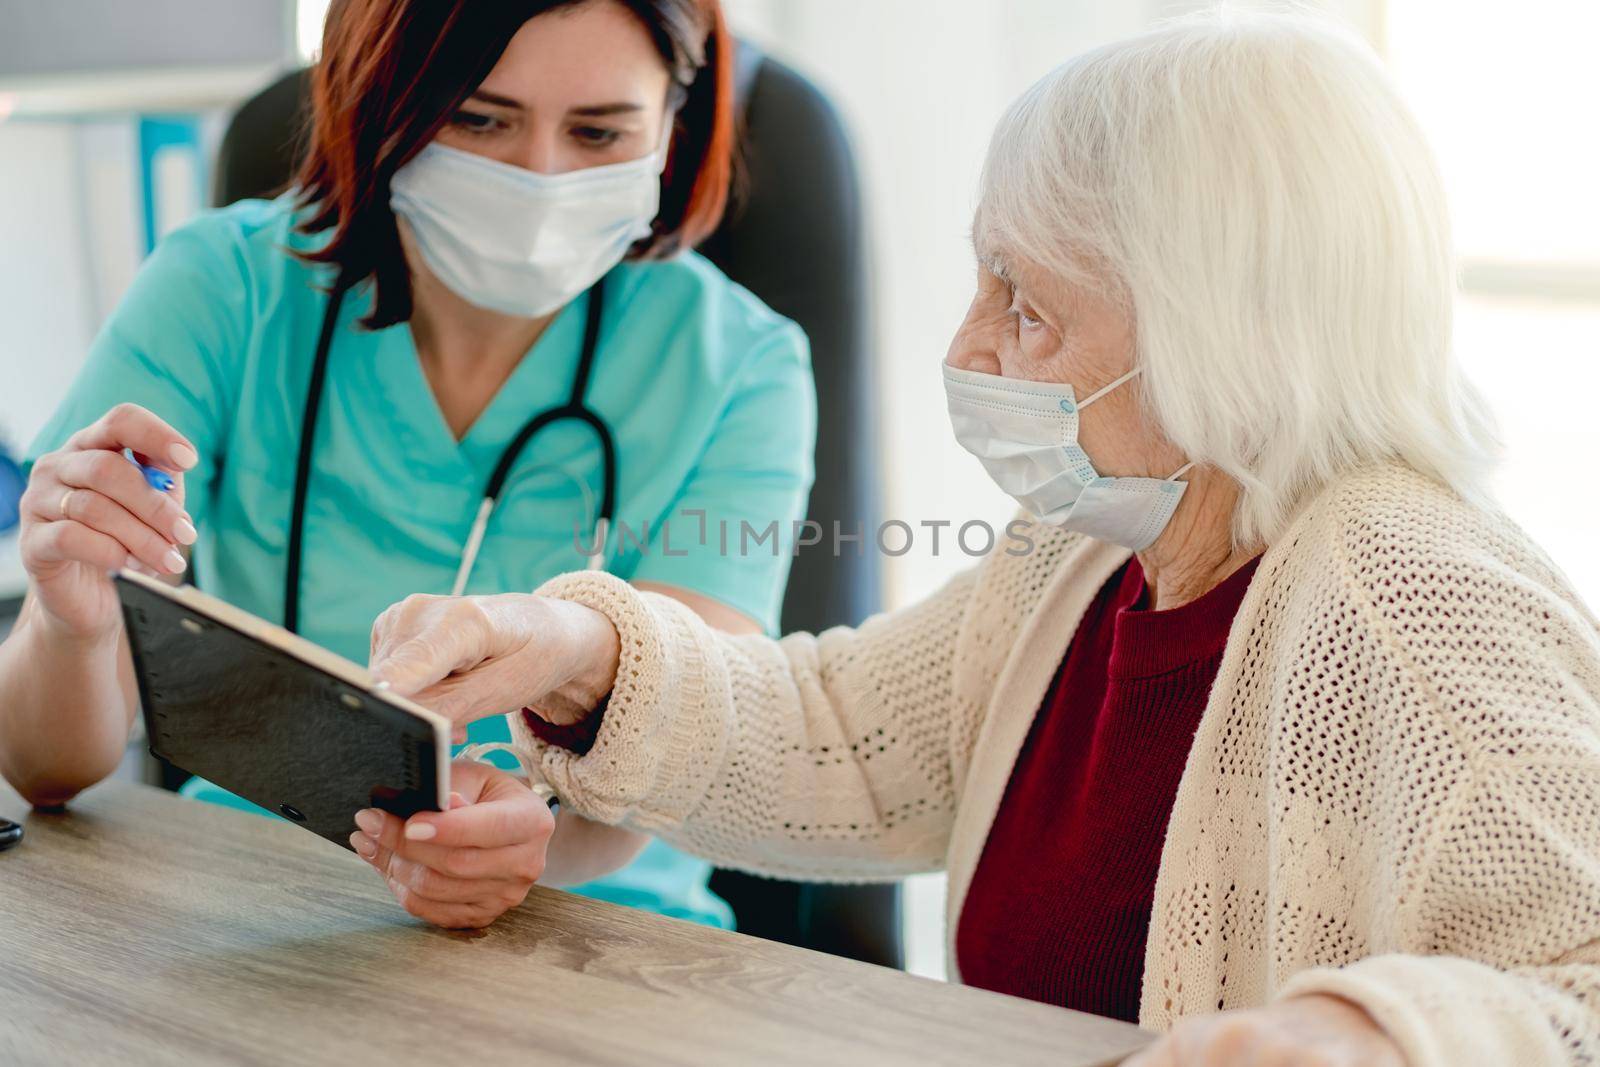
1026 436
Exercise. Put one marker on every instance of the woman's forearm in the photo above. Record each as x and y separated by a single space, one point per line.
66 707
582 850
734 748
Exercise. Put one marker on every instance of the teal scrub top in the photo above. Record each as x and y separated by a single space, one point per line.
707 392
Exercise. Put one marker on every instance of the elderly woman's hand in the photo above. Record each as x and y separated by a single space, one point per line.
465 867
471 657
1309 1031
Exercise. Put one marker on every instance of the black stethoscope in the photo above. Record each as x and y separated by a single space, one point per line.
574 408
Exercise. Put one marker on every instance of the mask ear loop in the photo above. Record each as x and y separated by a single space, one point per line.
1103 390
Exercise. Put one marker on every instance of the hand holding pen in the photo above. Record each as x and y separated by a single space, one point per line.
88 510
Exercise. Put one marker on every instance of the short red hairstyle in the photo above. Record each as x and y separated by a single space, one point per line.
393 72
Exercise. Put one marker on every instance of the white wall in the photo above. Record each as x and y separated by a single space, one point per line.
45 295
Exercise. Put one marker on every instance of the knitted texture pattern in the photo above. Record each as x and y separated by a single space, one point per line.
1393 794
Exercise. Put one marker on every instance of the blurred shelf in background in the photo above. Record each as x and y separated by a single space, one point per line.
176 89
93 57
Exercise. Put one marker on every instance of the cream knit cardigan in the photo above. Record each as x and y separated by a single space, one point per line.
1393 794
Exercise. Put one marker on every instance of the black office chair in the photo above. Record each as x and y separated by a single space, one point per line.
796 239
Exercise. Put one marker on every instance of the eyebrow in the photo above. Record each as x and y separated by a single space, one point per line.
496 99
598 111
589 111
995 264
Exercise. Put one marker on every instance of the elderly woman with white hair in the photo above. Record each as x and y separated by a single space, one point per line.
1268 730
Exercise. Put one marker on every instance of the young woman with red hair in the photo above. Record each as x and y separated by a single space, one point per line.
469 342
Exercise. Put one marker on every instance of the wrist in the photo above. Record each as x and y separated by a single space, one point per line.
595 650
46 633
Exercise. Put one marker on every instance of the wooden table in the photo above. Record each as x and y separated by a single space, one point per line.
141 928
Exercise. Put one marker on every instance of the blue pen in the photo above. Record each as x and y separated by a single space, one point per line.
155 478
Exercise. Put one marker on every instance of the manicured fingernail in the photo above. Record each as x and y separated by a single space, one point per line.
184 457
365 847
370 821
173 561
185 531
457 800
420 831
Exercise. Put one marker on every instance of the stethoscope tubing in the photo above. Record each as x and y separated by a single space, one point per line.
576 408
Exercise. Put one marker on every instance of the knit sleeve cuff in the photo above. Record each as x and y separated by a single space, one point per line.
666 723
1442 1010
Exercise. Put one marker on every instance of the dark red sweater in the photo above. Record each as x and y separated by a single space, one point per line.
1059 906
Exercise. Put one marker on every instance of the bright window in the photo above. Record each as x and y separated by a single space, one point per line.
309 16
1506 94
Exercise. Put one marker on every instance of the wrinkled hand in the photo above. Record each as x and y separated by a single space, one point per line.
1309 1031
466 867
468 658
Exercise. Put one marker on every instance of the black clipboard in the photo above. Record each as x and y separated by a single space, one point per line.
274 718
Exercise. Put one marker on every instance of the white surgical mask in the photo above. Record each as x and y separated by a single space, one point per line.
1026 436
517 241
